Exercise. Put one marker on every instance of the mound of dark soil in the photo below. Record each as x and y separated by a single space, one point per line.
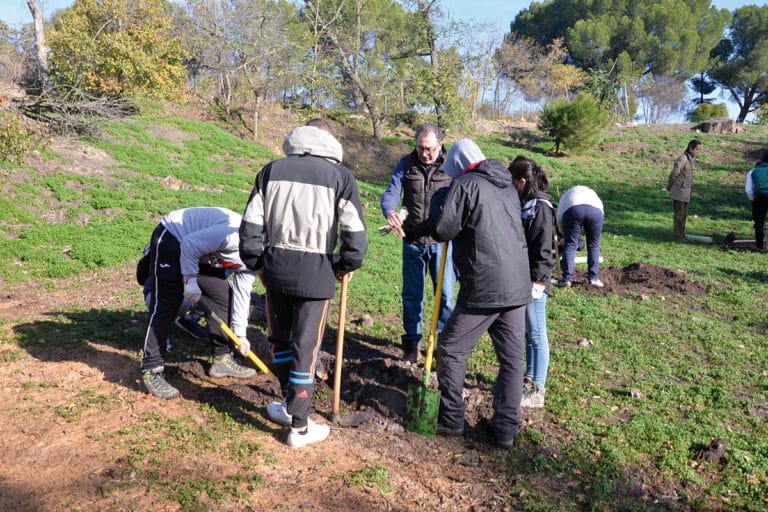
644 279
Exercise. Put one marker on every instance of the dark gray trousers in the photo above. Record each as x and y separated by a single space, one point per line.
506 327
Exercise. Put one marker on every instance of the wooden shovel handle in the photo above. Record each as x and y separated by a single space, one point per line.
340 344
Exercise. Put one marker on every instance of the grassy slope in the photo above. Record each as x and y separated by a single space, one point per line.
699 363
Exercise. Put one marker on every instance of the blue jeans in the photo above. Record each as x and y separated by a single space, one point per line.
591 219
417 259
537 341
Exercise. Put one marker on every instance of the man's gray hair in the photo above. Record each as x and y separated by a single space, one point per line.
430 128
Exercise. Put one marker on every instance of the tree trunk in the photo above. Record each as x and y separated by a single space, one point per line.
42 58
256 114
745 105
434 56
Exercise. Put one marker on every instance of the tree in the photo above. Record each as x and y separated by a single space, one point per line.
743 62
662 96
361 38
242 45
658 37
117 47
703 86
705 111
42 58
575 124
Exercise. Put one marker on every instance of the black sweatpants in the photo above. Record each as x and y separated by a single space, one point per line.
168 294
506 328
296 328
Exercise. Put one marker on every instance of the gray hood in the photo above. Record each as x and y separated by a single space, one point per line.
462 154
310 140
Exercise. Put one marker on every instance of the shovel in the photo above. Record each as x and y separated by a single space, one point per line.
423 404
232 336
356 419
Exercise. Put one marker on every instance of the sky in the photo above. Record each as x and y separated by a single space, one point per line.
16 13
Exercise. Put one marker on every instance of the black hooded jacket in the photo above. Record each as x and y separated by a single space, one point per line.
481 215
539 225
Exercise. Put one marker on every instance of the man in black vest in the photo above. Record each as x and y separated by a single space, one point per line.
417 176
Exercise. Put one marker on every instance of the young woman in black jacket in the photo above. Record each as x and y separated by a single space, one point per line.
538 218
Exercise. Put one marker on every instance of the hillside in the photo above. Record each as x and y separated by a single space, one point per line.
645 373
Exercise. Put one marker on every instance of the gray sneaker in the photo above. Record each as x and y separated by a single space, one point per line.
533 397
154 383
528 385
226 366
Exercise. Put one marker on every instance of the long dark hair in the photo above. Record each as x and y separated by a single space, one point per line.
536 181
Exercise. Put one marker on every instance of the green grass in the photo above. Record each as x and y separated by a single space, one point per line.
61 224
699 363
373 477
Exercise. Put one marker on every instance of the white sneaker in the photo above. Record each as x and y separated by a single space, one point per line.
596 282
278 412
314 433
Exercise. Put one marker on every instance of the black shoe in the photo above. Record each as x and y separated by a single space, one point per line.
411 353
449 432
506 443
190 324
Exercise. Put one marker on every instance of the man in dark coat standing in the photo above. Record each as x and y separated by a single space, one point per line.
679 187
480 213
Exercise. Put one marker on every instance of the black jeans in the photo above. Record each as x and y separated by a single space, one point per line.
759 210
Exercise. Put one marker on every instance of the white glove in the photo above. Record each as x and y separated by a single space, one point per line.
244 346
537 289
192 292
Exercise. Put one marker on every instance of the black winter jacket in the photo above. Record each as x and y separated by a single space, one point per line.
539 224
481 214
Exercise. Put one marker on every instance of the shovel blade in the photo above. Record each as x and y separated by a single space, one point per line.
422 406
353 420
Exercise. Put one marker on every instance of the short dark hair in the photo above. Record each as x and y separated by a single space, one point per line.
694 144
764 157
430 128
319 122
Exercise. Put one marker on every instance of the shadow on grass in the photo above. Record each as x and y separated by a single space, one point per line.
528 140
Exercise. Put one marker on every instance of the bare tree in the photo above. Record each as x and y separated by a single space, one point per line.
347 44
661 97
40 50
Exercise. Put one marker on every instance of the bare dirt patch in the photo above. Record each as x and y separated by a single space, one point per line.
53 462
642 279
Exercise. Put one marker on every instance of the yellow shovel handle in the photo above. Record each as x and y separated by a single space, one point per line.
250 355
435 314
